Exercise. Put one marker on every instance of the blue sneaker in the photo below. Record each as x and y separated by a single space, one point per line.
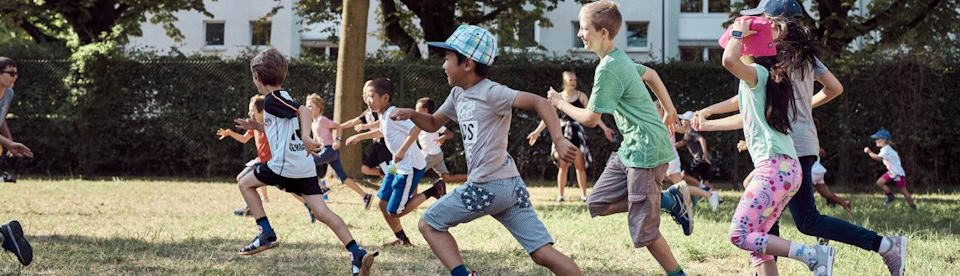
681 210
14 241
261 243
361 263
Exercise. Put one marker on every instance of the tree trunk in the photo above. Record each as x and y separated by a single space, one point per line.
347 100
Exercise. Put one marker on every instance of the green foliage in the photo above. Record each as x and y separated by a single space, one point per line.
158 115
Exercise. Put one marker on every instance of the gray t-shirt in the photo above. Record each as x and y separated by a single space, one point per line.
5 103
804 131
484 112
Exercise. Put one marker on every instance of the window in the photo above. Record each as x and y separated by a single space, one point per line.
577 42
259 33
214 33
701 54
705 6
714 54
691 53
637 34
695 6
327 52
527 33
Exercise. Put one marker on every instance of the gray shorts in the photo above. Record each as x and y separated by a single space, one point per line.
506 200
435 162
640 187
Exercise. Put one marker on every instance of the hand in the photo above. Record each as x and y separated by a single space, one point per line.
670 120
400 114
359 127
19 150
310 144
741 146
866 150
699 117
352 140
554 97
532 137
399 156
441 140
565 150
223 133
336 145
246 123
743 25
608 132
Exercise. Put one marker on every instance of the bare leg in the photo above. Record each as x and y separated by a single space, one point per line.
692 181
265 196
562 167
370 171
352 184
581 167
392 221
248 189
768 269
319 208
830 196
882 183
907 195
696 191
661 251
453 178
442 244
674 178
412 204
557 262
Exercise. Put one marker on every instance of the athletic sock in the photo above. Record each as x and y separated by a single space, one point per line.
264 224
890 196
676 272
460 270
884 245
802 253
353 248
401 236
704 187
431 192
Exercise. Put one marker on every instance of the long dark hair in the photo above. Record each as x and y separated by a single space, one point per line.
795 52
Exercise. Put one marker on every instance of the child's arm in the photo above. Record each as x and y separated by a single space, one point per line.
306 119
352 122
652 79
730 105
535 134
872 155
243 139
14 148
248 124
831 89
447 134
732 53
731 122
706 153
372 134
529 101
411 139
424 121
606 130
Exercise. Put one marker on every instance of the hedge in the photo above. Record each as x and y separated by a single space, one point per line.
158 116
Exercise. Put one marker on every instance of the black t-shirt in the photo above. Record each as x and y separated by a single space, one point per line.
692 138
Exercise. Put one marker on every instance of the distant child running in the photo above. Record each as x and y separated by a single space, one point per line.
430 143
330 147
895 173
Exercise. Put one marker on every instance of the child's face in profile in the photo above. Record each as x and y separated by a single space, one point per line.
258 116
314 109
880 142
593 39
375 102
453 68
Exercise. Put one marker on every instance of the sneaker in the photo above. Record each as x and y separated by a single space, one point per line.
367 198
8 178
360 263
714 201
889 200
441 187
313 219
681 211
397 243
243 212
822 241
822 264
896 257
14 241
583 198
913 206
260 243
560 199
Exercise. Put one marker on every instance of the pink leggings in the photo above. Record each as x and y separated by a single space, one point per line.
774 182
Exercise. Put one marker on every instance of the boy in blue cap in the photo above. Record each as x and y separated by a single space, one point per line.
895 173
484 109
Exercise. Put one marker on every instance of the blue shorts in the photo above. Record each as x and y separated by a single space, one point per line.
330 156
397 189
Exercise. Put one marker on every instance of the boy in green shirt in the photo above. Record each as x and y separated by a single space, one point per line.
631 180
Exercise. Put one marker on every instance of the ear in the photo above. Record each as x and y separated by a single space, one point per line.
469 65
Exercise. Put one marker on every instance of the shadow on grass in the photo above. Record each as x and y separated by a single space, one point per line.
82 255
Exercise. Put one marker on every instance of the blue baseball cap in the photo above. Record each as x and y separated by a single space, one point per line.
787 8
882 134
471 41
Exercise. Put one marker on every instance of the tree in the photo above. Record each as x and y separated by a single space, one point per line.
439 18
895 25
82 22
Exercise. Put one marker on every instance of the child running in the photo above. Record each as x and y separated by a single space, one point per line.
330 152
765 101
430 143
375 162
891 160
398 192
699 171
291 169
484 109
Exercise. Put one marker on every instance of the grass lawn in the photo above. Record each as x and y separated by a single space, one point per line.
166 227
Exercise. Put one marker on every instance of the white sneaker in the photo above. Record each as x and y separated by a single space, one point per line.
714 200
822 265
583 198
560 199
896 257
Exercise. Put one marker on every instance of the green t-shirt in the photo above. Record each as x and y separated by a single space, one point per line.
618 89
762 140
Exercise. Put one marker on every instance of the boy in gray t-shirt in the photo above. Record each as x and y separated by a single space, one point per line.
483 108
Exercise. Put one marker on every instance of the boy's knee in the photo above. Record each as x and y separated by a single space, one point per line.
425 227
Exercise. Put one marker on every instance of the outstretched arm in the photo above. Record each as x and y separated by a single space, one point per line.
424 121
243 139
731 122
372 134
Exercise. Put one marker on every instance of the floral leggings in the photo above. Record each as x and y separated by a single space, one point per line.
774 182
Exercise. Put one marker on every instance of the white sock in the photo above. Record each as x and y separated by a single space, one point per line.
884 245
703 186
802 253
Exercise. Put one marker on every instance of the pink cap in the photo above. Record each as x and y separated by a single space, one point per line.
759 44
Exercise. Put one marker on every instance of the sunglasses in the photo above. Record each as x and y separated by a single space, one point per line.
12 73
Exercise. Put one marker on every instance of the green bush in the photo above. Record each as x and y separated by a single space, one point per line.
158 116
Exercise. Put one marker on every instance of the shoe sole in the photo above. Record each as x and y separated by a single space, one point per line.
829 266
366 202
367 263
903 255
260 249
687 204
24 251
